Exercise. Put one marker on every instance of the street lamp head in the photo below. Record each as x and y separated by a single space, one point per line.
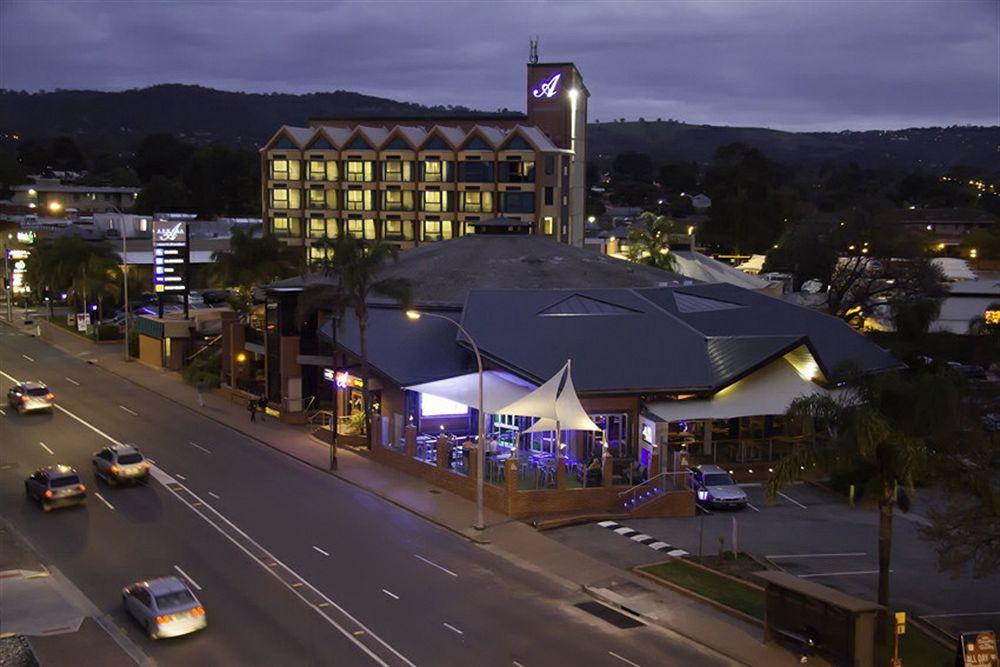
413 314
241 357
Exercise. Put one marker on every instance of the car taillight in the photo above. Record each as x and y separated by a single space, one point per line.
81 487
198 611
48 493
50 396
164 619
24 399
114 469
145 464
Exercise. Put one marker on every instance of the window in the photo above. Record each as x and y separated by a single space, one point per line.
435 171
317 170
549 198
397 171
399 230
397 200
359 171
476 202
358 200
435 201
361 229
475 172
286 198
317 198
284 170
437 230
320 228
548 226
550 165
513 171
517 202
319 254
332 171
614 433
284 226
331 199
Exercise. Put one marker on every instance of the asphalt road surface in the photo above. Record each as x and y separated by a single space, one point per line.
293 565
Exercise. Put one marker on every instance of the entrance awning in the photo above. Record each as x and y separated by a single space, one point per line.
555 402
499 389
769 391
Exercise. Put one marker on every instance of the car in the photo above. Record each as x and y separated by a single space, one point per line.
30 397
714 487
121 463
164 607
55 486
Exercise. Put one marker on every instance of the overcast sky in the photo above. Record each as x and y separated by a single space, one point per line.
809 64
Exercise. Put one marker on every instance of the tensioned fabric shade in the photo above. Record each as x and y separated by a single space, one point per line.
499 389
551 406
769 391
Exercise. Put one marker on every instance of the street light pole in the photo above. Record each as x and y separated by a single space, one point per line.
481 448
121 221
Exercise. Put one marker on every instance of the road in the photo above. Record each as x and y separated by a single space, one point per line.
294 566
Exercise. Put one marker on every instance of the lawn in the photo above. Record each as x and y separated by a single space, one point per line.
725 591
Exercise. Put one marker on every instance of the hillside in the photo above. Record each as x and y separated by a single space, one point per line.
116 121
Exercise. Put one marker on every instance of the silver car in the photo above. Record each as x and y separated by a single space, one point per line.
55 486
30 397
164 607
121 463
715 488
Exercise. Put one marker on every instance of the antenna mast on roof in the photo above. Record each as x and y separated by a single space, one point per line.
533 50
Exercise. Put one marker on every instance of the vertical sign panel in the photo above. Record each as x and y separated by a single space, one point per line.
170 256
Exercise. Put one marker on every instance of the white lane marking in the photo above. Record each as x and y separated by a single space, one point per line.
623 530
607 524
750 505
27 357
166 479
838 574
677 553
390 594
325 553
2 412
187 576
657 545
196 445
45 447
131 412
640 537
430 562
181 477
69 379
792 500
625 660
846 553
517 664
968 613
703 509
453 629
214 495
104 500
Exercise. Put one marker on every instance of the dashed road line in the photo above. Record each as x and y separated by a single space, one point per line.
27 357
180 477
215 495
750 505
325 553
2 412
187 576
46 448
642 538
453 629
625 660
72 381
390 594
792 500
131 412
197 446
432 563
104 500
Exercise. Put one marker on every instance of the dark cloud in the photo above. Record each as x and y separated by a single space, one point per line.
798 65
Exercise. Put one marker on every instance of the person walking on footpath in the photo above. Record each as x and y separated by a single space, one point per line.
252 409
262 404
200 387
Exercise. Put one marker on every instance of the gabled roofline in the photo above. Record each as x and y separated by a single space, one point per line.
519 131
359 129
396 132
321 130
283 130
437 131
476 130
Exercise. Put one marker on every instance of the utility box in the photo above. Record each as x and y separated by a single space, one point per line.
841 626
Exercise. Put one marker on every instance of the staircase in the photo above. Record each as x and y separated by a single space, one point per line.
640 495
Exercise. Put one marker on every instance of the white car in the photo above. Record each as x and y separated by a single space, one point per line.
121 463
164 607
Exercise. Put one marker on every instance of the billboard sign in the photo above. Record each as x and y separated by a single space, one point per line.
170 256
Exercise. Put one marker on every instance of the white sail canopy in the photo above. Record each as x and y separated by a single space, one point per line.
553 406
499 389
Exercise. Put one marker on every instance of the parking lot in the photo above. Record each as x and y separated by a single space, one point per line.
814 534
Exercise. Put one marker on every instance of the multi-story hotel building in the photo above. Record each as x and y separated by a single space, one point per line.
413 180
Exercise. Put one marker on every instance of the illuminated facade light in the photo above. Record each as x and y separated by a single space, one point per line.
55 206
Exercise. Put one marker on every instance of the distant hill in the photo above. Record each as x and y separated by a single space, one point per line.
117 121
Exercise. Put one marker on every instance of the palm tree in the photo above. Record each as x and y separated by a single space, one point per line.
880 431
100 278
355 265
248 263
649 241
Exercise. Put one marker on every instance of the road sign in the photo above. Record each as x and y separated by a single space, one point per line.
979 649
900 622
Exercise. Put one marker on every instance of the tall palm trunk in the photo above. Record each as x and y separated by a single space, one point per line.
365 390
884 548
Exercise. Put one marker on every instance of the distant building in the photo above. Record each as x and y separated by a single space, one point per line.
49 196
416 179
949 226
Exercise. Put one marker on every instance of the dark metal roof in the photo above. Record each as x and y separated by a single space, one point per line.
501 222
442 116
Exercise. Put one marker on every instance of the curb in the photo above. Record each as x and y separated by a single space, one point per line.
746 618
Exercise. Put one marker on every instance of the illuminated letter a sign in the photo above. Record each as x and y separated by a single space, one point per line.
549 87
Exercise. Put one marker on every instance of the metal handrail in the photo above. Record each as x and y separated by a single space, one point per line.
648 481
207 345
634 496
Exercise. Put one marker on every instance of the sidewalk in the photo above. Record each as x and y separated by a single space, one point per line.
510 539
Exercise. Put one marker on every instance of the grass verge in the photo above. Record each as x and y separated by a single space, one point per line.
727 592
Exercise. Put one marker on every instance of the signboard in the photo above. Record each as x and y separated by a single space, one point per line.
342 379
170 256
26 237
82 321
979 649
18 259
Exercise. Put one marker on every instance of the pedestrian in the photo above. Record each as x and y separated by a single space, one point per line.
252 409
262 404
200 387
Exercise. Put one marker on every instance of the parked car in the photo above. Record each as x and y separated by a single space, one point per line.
164 607
30 397
714 487
55 486
121 463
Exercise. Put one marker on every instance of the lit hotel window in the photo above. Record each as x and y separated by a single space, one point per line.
284 170
285 198
317 198
331 199
399 230
397 171
319 254
477 202
435 171
397 200
323 229
359 170
437 230
317 170
359 228
548 226
284 226
435 200
358 200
